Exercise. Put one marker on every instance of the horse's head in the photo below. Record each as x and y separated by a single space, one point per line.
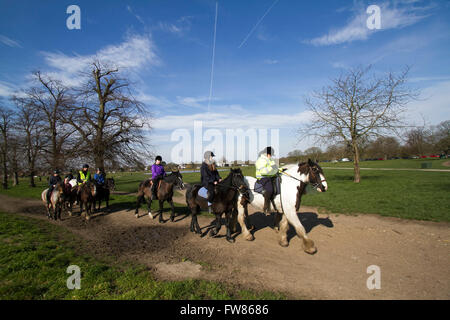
238 180
314 175
178 179
59 191
92 187
111 184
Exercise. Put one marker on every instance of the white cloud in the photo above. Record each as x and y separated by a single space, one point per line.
180 27
356 28
228 119
154 101
433 104
9 42
138 17
135 53
194 102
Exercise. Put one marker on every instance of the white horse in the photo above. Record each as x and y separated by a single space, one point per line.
295 175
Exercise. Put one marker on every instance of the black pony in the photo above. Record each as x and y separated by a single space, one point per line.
225 201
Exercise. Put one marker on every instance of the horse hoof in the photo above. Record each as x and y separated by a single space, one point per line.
283 243
231 240
87 217
311 250
250 237
150 215
136 215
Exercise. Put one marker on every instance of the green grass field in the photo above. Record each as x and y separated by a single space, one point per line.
34 256
399 163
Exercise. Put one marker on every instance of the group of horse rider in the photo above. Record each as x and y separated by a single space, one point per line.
266 172
83 176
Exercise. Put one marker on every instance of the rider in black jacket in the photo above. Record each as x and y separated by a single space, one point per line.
54 180
209 174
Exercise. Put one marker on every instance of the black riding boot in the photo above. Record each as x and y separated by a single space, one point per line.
154 195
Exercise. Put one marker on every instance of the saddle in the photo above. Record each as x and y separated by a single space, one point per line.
259 187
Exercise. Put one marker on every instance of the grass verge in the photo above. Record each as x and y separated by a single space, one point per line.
34 256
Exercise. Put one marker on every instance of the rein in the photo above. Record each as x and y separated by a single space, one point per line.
315 185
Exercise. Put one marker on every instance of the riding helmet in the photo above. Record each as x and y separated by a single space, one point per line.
158 158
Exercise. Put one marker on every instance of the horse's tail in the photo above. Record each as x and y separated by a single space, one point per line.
189 191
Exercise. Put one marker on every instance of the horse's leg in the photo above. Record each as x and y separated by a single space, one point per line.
138 204
48 211
88 209
233 220
284 227
172 207
308 244
276 222
194 222
149 207
243 223
193 214
228 222
161 220
197 226
216 230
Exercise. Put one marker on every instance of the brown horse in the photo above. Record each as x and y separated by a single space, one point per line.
70 195
225 201
164 193
56 201
88 191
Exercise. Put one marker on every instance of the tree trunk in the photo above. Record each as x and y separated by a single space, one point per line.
357 177
5 175
32 184
15 178
99 162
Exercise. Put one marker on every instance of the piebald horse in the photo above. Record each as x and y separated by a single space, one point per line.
293 183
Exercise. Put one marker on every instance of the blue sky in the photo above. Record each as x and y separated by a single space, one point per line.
269 54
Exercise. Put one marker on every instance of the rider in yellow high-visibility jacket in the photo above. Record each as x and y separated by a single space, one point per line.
266 171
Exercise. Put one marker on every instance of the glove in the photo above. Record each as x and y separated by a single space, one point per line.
282 169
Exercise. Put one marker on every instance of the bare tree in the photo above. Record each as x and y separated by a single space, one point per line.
14 156
110 122
6 121
384 147
29 123
52 97
356 106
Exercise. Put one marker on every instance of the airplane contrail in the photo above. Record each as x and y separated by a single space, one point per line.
213 57
256 25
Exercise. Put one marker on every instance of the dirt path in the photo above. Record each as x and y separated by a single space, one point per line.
413 256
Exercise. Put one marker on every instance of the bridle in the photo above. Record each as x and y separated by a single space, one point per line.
316 185
234 186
